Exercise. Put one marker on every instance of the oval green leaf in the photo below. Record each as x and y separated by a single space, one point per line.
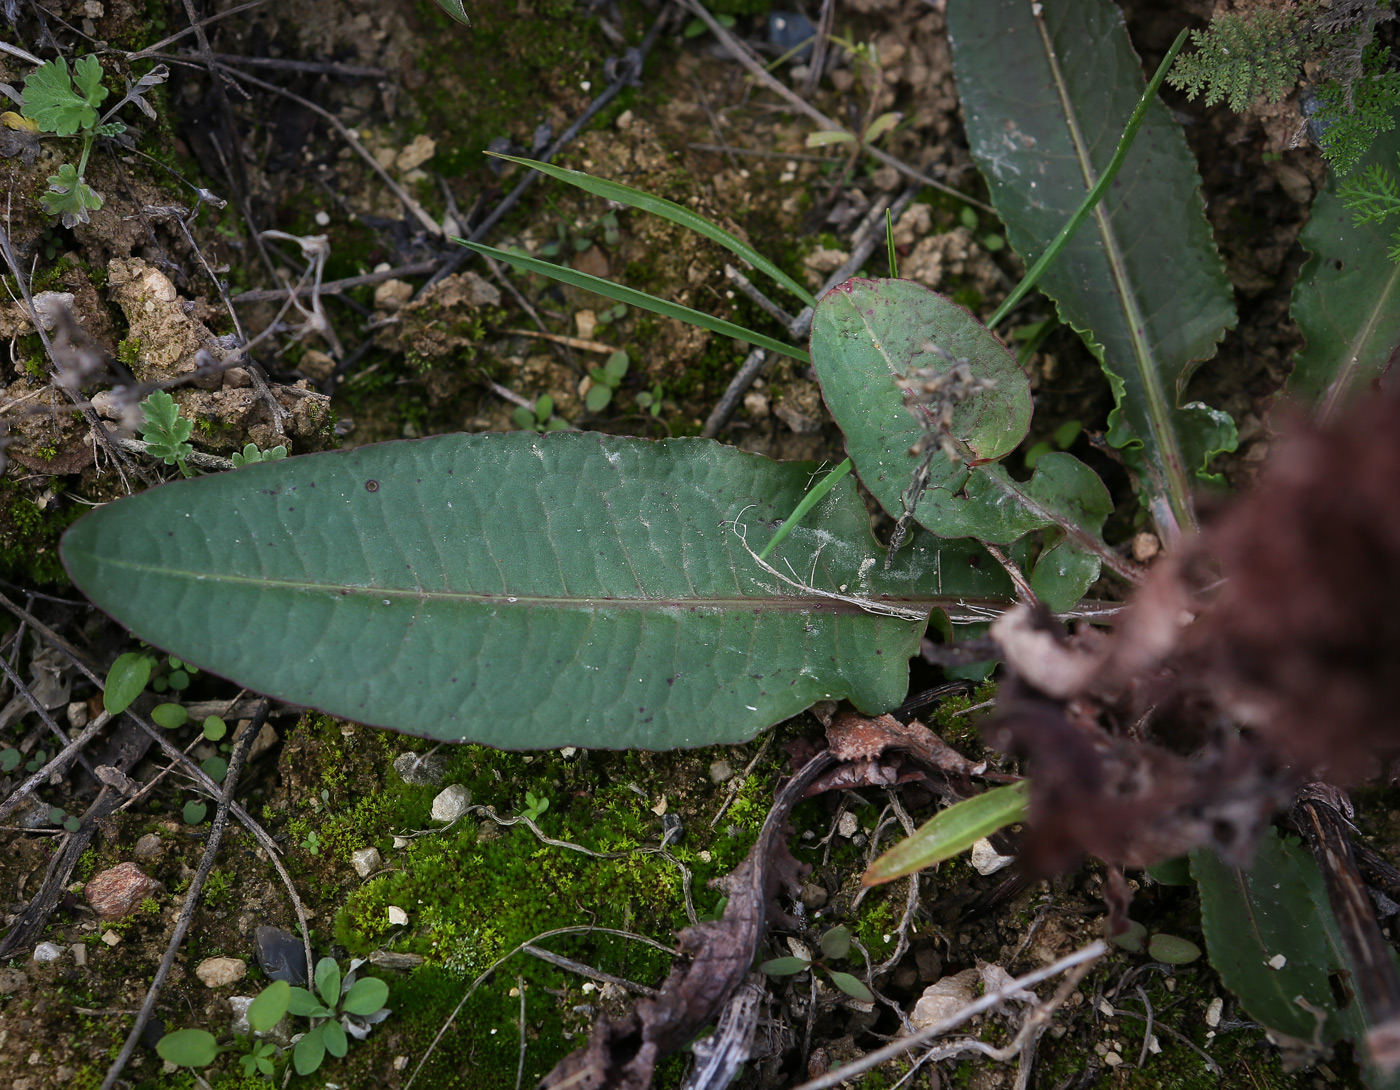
333 1034
1172 950
785 966
169 716
309 1051
195 812
188 1048
328 981
267 1009
303 1003
836 943
951 832
366 996
526 590
125 681
851 986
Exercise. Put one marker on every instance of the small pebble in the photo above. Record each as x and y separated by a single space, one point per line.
420 770
148 847
1213 1012
397 916
1278 961
847 825
218 972
280 955
366 861
721 772
451 803
47 951
116 891
79 954
1113 1059
111 938
987 860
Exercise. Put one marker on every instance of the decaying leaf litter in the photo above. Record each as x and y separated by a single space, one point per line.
157 248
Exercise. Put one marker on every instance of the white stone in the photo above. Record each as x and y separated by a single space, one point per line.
239 1005
366 861
48 304
847 825
47 951
111 938
1113 1059
397 916
451 803
987 860
944 998
1278 961
218 972
1217 1005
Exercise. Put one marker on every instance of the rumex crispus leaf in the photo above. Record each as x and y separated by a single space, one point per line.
526 591
1047 90
1347 298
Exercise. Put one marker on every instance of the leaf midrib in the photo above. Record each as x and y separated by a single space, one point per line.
1336 391
772 604
1158 410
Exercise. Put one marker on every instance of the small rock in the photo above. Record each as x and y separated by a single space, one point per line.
280 955
46 952
397 916
111 938
79 954
78 714
239 1005
420 770
1113 1059
1145 546
417 153
987 860
237 378
944 998
451 803
317 366
847 825
813 895
118 890
721 772
47 305
149 846
366 861
218 972
392 294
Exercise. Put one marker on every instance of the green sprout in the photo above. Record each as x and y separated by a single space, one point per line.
251 454
606 379
535 805
66 104
337 1007
541 418
166 433
835 945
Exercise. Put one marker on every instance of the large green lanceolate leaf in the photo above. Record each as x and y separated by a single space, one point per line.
1347 298
1273 939
867 333
1046 90
521 590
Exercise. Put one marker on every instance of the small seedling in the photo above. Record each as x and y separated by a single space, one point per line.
606 379
542 418
195 812
337 1007
312 843
166 433
126 680
611 314
59 816
251 454
650 400
66 104
535 805
10 759
835 945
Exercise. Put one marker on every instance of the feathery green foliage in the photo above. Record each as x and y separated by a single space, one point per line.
1348 129
1373 197
1239 58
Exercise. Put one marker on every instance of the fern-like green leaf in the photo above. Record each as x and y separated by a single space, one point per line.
1240 58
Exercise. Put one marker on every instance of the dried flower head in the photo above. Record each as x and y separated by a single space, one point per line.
932 394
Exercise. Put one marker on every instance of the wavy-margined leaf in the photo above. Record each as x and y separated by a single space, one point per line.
1271 935
868 333
1046 90
523 590
1347 298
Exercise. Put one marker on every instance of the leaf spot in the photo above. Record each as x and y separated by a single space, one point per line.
371 486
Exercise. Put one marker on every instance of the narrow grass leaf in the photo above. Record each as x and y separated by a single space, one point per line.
951 832
676 213
633 297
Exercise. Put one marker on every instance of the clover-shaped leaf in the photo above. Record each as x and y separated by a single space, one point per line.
51 101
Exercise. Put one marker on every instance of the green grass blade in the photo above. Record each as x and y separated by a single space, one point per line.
635 298
811 499
635 198
951 832
1096 193
889 245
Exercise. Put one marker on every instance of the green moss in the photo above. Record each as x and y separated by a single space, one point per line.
129 350
29 537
